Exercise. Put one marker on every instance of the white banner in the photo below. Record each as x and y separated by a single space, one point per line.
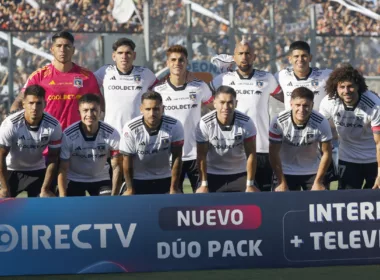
26 46
123 10
33 3
357 8
199 9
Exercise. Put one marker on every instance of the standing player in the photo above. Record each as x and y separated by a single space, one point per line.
182 100
123 84
86 145
148 142
23 137
226 147
301 75
253 88
64 81
355 112
294 138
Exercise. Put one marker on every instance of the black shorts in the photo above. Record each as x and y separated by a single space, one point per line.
100 188
227 183
29 181
264 172
352 175
296 182
158 186
189 168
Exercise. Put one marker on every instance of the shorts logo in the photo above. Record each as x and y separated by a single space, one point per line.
8 238
193 97
314 83
260 84
137 78
78 82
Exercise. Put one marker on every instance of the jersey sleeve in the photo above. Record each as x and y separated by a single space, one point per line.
250 131
202 133
127 142
56 138
33 79
274 87
66 148
325 107
115 143
216 82
375 119
6 134
326 134
178 135
99 75
275 131
206 94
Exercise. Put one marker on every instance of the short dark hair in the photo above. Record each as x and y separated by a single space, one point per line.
35 90
345 73
225 89
63 34
89 98
299 45
303 92
176 49
123 42
151 95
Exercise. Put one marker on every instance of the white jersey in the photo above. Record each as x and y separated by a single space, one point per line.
27 143
122 92
252 99
315 81
226 153
299 150
151 151
184 104
224 62
87 156
355 126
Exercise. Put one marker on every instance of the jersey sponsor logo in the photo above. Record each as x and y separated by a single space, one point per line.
260 84
226 146
250 91
114 87
64 97
258 92
168 99
290 84
192 96
154 151
78 82
113 78
52 83
181 107
232 83
354 125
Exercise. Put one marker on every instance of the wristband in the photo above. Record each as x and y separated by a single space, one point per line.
204 183
249 182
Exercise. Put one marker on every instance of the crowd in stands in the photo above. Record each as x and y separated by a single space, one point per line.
339 29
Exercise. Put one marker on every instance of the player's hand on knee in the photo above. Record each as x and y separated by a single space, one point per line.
47 193
283 187
377 183
202 189
4 193
318 187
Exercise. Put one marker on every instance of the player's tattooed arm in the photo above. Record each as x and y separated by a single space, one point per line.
62 177
202 150
51 167
275 162
4 188
176 168
326 148
116 164
377 141
17 103
128 174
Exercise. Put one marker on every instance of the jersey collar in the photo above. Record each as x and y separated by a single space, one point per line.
351 108
226 127
37 127
124 74
307 76
86 138
150 131
248 78
176 88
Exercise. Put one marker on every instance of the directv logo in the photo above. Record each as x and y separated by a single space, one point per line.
64 236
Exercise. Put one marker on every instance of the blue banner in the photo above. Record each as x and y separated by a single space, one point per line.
188 232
